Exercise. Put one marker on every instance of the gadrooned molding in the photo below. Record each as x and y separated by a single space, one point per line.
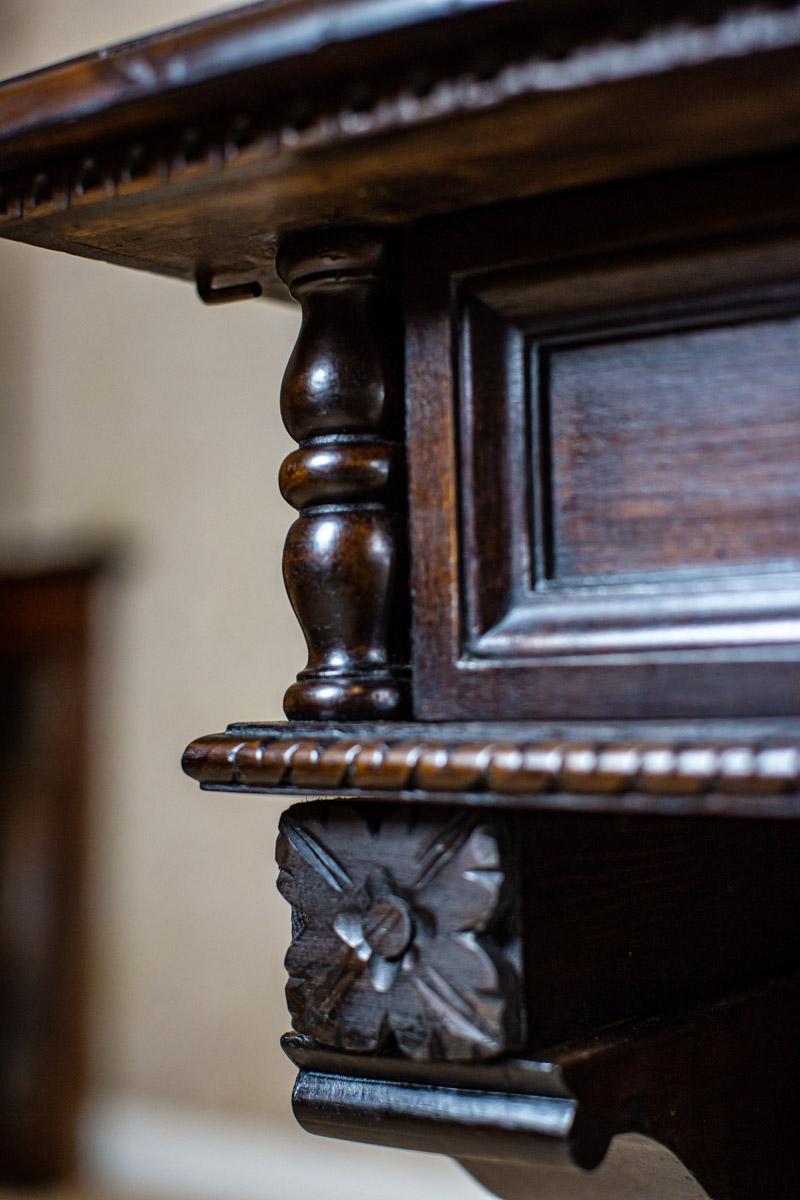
491 767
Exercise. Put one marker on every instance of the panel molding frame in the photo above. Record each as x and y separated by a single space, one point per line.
698 606
724 642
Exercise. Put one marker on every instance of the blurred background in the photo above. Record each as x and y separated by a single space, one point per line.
140 441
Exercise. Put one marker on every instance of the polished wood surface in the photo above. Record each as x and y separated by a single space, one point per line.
648 433
192 152
469 902
714 1087
603 479
733 768
546 556
345 563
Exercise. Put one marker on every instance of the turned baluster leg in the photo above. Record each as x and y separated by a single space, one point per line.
342 400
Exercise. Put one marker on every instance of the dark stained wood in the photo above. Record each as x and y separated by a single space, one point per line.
632 917
412 1112
603 414
716 1088
44 616
412 925
401 932
679 450
345 561
741 768
192 152
193 66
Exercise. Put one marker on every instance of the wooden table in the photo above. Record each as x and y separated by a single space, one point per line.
546 396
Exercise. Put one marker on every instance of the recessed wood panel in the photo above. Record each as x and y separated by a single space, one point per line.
679 450
604 451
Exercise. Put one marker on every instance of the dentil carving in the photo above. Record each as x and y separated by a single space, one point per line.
401 930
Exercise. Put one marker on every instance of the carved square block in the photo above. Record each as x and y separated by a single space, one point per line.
404 929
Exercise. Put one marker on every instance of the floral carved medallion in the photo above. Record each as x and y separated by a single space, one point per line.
402 938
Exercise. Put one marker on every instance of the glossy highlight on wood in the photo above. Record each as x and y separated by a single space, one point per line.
555 907
197 148
603 430
704 1101
588 767
342 398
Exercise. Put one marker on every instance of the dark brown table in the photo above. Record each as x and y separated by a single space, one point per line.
546 397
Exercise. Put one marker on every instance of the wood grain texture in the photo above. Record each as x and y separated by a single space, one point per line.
411 924
262 42
632 917
676 451
360 112
345 560
603 491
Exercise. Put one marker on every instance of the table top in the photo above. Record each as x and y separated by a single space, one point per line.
191 151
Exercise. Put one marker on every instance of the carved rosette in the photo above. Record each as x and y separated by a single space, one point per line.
402 937
342 400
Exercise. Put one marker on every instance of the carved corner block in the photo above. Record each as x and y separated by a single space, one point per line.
403 930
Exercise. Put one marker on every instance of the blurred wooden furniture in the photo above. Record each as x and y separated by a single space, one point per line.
547 404
44 638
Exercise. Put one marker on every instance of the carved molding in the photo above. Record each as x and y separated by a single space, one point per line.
400 931
498 767
368 107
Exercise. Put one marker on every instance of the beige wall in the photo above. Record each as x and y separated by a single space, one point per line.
128 410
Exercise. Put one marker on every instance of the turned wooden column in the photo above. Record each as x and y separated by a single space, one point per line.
342 399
